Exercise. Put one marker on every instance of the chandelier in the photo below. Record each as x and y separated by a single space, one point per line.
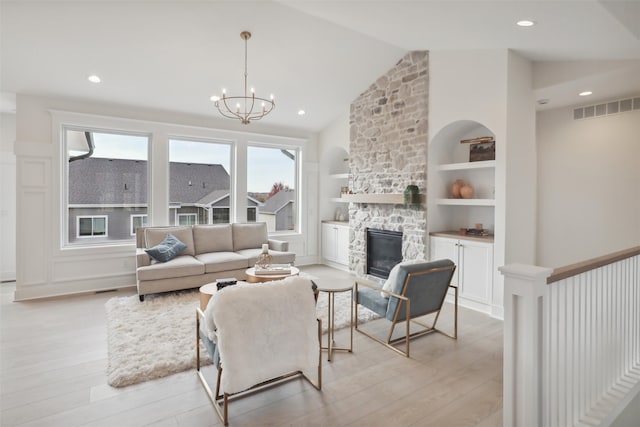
244 107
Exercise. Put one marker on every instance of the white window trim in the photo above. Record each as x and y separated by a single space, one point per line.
297 180
106 226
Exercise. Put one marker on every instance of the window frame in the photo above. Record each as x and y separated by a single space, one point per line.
183 215
110 128
131 218
92 217
231 144
296 179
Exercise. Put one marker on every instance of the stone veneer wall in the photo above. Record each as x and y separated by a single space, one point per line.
387 152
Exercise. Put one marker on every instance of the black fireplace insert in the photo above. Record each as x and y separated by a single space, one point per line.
384 251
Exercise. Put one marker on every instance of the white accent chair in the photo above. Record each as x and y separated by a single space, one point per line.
259 334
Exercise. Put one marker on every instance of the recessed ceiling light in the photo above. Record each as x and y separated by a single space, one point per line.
301 112
525 23
94 79
585 93
543 101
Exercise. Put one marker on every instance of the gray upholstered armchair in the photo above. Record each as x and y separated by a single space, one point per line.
415 290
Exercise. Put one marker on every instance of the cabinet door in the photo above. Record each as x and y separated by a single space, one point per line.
441 248
477 270
328 242
342 245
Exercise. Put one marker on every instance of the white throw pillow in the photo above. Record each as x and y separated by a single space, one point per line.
393 275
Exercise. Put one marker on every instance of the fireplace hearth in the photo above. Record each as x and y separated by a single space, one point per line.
384 251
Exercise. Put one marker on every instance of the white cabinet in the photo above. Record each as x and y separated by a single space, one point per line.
335 244
474 272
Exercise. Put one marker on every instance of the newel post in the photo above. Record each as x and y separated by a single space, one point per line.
524 292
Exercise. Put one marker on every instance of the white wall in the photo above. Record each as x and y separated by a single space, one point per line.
493 87
588 185
333 148
520 162
44 268
7 197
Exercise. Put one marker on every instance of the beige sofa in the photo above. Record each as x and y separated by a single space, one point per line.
212 252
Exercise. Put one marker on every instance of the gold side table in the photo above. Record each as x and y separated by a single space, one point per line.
331 289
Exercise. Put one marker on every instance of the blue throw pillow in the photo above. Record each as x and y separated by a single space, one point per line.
166 250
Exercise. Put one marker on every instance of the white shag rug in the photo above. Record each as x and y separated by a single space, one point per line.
155 338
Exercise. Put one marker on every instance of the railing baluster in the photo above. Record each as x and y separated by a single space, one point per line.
589 345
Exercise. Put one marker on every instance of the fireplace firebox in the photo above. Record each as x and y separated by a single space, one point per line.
384 251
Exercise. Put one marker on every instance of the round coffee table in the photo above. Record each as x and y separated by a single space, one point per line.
252 277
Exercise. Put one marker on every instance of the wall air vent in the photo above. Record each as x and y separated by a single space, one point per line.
607 108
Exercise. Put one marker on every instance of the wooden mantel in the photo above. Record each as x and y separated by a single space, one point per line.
379 198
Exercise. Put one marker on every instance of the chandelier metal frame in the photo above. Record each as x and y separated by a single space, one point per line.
248 101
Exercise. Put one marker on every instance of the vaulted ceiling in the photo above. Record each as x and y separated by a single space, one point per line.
312 55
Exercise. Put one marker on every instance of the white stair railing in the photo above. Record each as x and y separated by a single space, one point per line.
571 341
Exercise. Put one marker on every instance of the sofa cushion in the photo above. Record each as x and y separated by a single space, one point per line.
222 261
180 266
277 257
166 250
249 235
155 235
212 238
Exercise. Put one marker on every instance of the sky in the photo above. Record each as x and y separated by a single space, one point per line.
266 166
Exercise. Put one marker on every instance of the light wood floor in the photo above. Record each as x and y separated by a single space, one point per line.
53 358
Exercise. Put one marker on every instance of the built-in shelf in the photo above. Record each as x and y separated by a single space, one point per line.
485 164
466 202
385 198
457 235
338 200
339 175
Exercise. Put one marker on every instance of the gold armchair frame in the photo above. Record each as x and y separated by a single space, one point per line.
220 401
390 343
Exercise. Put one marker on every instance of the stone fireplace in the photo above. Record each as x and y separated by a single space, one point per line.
387 152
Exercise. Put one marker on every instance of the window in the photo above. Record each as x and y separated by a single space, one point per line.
187 219
251 214
137 221
271 182
106 182
220 215
200 181
91 226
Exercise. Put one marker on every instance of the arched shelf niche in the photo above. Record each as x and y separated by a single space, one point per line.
335 167
449 161
336 160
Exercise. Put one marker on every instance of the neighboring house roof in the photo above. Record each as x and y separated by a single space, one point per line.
98 181
95 181
278 201
213 197
191 182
